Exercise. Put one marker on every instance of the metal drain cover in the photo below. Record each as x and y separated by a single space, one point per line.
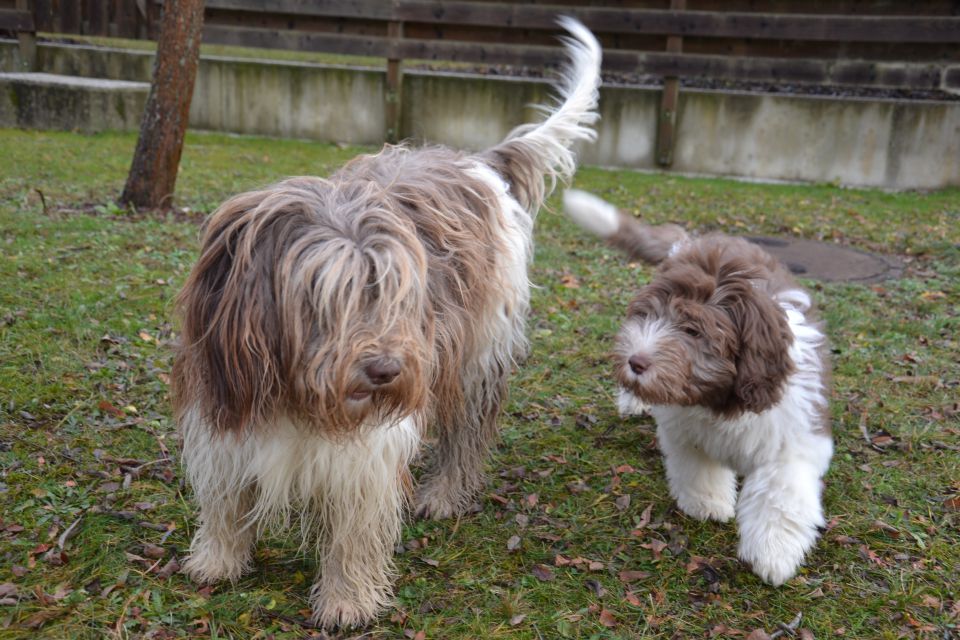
830 262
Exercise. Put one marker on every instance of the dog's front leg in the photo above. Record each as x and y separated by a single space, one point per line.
464 441
702 487
215 463
361 502
779 513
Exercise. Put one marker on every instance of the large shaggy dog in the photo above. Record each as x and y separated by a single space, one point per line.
328 322
720 347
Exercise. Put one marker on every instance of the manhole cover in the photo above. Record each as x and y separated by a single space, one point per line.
830 262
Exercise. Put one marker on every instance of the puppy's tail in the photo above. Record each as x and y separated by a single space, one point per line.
534 157
639 241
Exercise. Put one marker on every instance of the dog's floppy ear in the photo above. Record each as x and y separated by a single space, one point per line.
763 359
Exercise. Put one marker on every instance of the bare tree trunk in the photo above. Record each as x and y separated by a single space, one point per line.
153 173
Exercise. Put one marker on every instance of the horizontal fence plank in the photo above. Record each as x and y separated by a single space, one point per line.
862 73
750 69
944 29
758 26
365 9
13 20
299 41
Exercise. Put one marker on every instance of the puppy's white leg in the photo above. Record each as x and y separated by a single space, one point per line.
779 513
222 546
702 487
363 493
630 405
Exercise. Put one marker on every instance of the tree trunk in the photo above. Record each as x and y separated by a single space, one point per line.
153 173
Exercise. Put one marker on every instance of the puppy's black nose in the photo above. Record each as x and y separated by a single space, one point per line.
382 371
639 363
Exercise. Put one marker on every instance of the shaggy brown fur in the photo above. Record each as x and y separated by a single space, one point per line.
732 352
339 265
328 322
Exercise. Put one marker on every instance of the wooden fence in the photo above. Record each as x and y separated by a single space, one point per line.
844 43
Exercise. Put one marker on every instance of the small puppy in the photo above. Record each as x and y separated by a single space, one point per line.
328 322
721 348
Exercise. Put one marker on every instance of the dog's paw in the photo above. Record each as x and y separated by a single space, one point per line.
772 566
775 550
630 405
431 505
710 507
206 567
341 613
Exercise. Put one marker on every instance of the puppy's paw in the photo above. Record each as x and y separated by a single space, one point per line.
707 507
775 548
630 405
773 566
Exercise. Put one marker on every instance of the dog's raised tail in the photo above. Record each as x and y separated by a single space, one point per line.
650 243
534 157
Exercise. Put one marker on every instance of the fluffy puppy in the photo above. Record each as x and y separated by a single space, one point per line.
721 348
328 322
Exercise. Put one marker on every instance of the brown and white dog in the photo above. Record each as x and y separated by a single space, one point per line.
721 348
328 322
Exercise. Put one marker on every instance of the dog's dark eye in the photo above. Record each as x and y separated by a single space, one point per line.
690 331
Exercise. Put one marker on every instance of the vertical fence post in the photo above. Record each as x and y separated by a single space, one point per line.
669 101
393 97
27 39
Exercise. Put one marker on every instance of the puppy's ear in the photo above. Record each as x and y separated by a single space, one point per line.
763 361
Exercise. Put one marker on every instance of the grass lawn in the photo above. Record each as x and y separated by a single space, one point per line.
576 536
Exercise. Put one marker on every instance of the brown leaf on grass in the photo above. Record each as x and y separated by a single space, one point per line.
805 634
622 502
869 554
542 572
758 634
722 630
595 587
569 281
517 619
168 569
153 551
19 571
952 503
608 618
106 407
531 500
8 590
513 543
561 560
656 547
632 576
625 468
632 598
38 619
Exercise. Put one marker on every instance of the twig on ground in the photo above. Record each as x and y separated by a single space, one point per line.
787 629
69 532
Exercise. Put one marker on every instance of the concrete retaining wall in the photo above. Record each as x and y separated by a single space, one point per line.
880 143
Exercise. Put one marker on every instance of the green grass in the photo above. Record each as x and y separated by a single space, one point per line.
85 327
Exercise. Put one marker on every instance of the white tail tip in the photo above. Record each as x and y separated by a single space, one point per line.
594 214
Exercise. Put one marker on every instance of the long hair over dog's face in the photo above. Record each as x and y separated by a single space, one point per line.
309 299
702 334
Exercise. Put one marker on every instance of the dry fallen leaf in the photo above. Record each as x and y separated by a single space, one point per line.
607 618
633 576
542 572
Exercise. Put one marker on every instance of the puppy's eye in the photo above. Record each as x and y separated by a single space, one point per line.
690 331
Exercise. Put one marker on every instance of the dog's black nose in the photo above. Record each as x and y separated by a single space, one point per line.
638 363
382 371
